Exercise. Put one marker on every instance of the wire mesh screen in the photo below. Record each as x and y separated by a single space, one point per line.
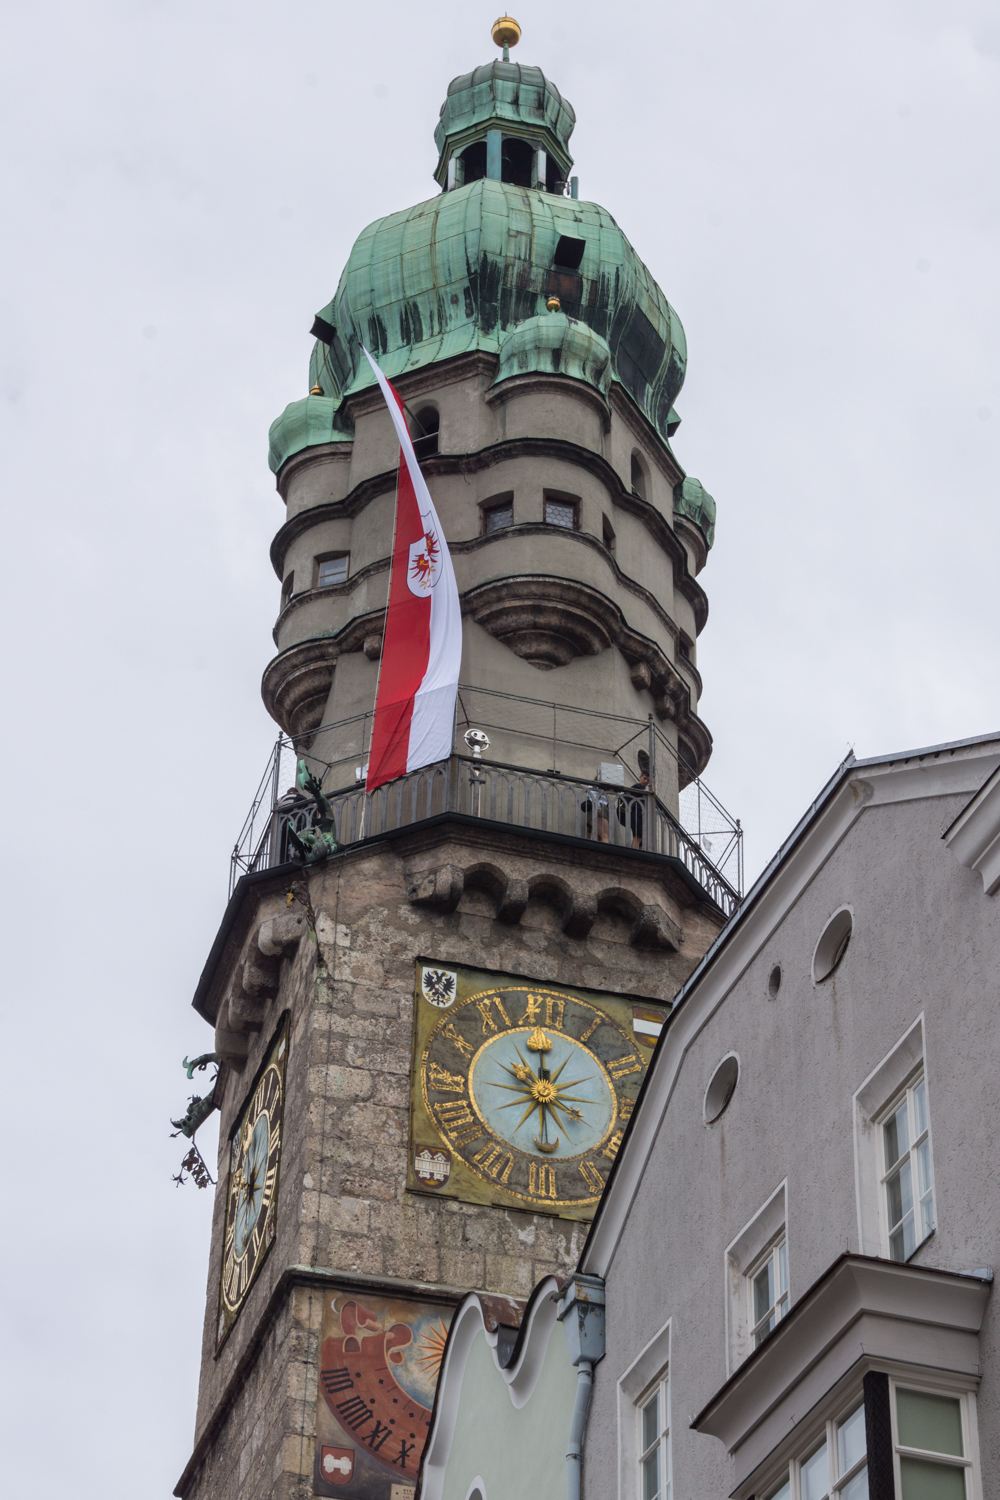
577 772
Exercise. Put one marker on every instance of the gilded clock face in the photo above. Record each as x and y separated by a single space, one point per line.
530 1089
251 1203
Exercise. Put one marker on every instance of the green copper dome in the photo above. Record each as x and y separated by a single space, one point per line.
457 273
521 100
556 345
691 499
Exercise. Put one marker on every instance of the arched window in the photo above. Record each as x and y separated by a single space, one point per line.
474 161
640 484
516 161
426 426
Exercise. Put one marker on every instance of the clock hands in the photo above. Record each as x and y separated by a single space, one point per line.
541 1091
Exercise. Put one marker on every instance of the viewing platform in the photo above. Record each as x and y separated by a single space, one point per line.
610 806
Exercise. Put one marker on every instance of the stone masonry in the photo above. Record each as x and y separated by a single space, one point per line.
591 916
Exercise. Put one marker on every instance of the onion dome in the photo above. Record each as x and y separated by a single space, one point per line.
305 424
554 344
693 501
525 105
457 273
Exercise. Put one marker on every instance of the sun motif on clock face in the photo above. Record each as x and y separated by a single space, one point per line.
251 1201
529 1089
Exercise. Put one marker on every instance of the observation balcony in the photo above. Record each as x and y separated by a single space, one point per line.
610 806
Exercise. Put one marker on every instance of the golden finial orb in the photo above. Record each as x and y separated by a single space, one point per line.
553 304
316 390
506 32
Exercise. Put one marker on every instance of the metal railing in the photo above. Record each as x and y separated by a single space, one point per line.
704 838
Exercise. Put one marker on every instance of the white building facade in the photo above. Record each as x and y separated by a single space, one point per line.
797 1238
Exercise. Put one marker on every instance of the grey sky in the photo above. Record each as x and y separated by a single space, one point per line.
815 189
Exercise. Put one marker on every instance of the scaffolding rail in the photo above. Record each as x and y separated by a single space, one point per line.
704 837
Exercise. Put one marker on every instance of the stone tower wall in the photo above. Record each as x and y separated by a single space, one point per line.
345 1216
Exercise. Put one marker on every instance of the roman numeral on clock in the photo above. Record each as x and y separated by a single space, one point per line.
623 1065
541 1180
592 1176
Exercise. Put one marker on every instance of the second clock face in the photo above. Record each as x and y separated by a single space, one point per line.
530 1088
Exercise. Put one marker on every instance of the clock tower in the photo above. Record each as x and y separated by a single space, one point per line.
434 1005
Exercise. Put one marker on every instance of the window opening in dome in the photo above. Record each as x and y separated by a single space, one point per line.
569 252
639 485
474 162
427 423
516 162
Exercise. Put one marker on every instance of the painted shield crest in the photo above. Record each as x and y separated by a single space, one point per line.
337 1465
432 1165
439 986
424 566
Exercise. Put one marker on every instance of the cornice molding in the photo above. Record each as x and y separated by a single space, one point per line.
533 380
974 836
485 458
476 544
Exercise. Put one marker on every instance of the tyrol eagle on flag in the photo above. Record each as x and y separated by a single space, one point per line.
422 643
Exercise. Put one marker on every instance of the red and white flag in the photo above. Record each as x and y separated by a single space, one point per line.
422 645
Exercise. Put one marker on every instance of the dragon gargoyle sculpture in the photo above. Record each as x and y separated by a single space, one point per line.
319 841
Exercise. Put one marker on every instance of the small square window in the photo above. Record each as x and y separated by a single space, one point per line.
497 517
561 513
332 570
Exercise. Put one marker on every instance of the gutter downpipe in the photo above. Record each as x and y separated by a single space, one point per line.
581 1312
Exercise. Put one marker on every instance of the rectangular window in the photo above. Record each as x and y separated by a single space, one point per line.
608 533
907 1178
768 1284
286 589
561 512
654 1443
332 570
932 1445
834 1468
496 517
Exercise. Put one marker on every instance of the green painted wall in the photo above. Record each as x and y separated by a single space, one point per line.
515 1452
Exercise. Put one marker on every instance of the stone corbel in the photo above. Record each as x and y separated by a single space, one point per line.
654 929
513 902
439 888
579 916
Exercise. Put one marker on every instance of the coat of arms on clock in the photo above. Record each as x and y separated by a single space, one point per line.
521 1091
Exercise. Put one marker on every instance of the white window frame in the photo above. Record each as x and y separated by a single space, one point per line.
886 1172
649 1367
775 1256
332 557
659 1390
744 1255
969 1463
872 1102
817 1436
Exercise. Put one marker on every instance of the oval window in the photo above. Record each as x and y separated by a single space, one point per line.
832 945
720 1090
774 982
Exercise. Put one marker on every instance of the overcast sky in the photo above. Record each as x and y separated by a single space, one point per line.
814 186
